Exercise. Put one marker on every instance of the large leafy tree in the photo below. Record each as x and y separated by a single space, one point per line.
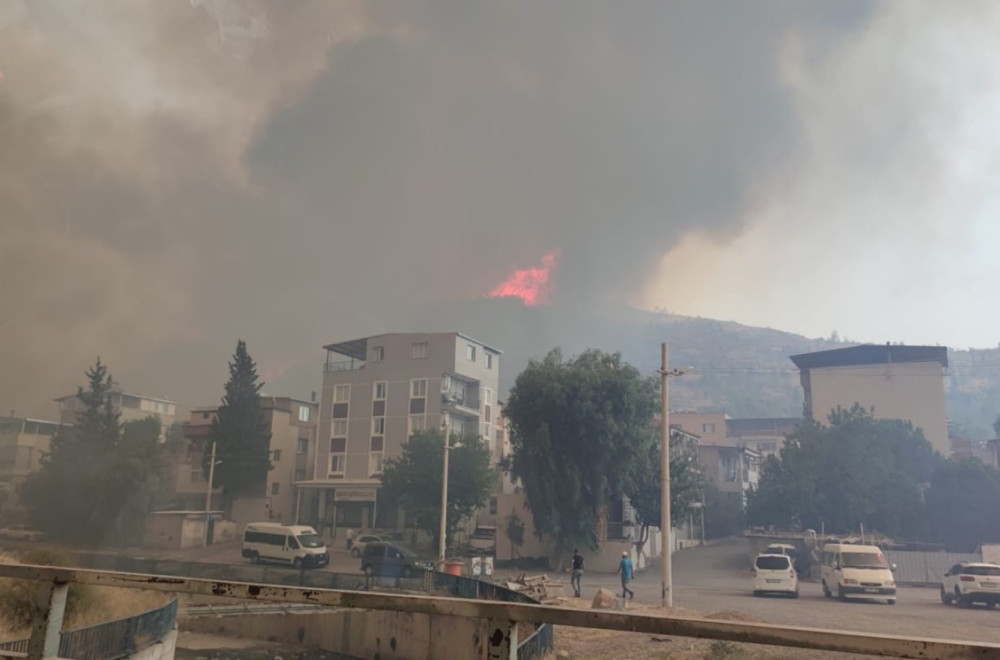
241 434
413 480
687 484
96 484
963 504
578 429
856 471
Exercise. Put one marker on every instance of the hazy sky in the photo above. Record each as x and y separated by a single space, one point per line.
176 175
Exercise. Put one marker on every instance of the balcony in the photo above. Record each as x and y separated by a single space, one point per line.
467 402
343 365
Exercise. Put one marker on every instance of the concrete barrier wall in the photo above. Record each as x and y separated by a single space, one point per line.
925 567
387 635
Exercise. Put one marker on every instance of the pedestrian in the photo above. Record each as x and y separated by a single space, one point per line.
625 568
577 572
350 539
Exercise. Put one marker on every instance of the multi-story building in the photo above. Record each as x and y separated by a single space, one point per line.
730 469
377 392
130 407
23 442
765 434
293 444
897 382
710 427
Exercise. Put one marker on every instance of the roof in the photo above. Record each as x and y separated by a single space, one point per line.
358 348
735 427
122 393
871 354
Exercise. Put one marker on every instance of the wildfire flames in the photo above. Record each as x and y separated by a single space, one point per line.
532 285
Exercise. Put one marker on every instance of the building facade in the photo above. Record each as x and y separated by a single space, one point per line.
710 427
897 382
377 392
129 407
292 423
764 434
23 442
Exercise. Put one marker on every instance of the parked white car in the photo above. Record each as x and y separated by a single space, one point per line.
21 533
774 574
358 547
967 582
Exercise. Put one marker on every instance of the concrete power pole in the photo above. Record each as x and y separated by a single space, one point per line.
444 496
666 586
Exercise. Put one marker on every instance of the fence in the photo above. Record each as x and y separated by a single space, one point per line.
113 639
925 567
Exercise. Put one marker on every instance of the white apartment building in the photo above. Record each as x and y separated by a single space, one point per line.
377 392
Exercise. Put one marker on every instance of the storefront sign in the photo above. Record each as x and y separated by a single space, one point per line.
354 495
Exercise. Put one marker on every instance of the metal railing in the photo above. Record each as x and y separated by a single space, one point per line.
502 618
110 640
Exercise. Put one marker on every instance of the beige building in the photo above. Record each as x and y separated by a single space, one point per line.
293 445
130 407
378 391
23 442
898 382
710 427
766 435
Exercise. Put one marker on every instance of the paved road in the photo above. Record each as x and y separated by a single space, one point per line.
716 579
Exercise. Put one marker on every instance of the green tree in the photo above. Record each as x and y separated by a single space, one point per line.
963 504
413 480
241 434
857 471
687 484
96 483
578 428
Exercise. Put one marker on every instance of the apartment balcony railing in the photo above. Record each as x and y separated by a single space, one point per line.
468 401
343 365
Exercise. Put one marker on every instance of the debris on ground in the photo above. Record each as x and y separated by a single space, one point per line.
605 599
539 587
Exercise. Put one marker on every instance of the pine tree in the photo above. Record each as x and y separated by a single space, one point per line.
241 434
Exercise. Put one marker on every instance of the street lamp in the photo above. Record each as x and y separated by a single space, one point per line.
666 585
208 494
444 493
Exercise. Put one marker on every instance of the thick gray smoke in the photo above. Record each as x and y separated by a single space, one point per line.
177 175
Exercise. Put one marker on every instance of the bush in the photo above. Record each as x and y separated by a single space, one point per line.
19 598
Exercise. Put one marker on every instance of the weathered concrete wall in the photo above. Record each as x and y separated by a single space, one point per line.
358 633
162 650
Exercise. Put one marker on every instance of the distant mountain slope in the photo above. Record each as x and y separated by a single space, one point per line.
742 370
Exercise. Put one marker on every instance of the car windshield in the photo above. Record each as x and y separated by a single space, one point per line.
981 570
772 563
864 560
310 540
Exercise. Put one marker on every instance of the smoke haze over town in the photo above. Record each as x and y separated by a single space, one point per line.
175 176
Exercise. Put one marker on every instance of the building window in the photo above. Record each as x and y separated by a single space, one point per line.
300 475
378 353
486 433
378 391
277 455
418 350
341 393
487 395
302 446
418 388
488 414
275 487
303 413
417 423
489 361
378 425
375 456
708 427
470 352
338 456
339 428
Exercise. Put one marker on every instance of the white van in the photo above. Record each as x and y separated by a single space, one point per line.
857 571
297 545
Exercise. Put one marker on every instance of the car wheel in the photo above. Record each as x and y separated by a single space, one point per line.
355 552
826 591
891 601
962 601
945 597
795 594
840 593
991 604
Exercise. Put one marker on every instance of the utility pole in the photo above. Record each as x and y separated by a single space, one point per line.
208 495
444 496
666 586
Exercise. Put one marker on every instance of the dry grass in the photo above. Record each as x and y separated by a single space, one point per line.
87 605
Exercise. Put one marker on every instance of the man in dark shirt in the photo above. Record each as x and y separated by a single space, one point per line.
577 572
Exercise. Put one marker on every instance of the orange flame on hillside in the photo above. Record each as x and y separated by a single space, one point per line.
532 285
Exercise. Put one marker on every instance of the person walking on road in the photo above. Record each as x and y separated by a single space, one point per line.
350 539
625 568
577 572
